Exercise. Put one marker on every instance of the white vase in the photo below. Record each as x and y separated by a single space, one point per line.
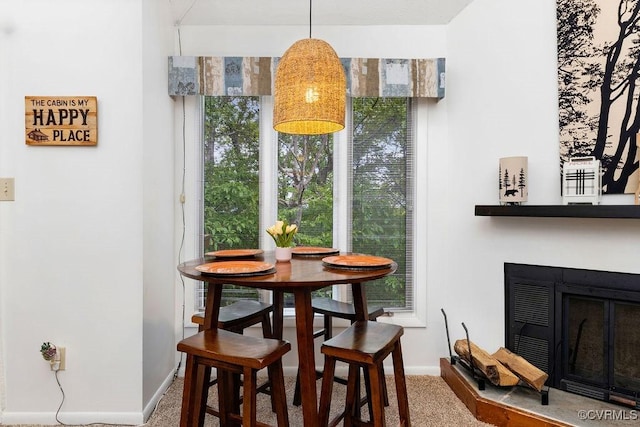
283 254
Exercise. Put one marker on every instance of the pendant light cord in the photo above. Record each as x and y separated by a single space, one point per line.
310 5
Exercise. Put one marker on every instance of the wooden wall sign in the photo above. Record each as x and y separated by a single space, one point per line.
61 120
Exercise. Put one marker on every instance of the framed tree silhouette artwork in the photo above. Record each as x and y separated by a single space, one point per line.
599 86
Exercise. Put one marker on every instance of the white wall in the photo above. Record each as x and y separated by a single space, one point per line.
350 41
76 254
159 337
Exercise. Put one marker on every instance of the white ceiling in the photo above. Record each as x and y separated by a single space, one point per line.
324 12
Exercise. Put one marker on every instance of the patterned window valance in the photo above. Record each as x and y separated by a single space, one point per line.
254 76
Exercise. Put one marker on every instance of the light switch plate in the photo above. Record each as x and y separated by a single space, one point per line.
7 192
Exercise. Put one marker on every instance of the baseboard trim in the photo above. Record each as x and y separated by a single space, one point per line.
158 395
72 418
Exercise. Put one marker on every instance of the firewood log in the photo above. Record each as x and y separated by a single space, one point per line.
495 371
522 368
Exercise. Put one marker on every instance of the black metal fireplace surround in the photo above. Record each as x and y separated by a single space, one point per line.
582 327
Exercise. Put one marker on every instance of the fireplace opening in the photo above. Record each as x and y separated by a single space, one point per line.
582 327
602 345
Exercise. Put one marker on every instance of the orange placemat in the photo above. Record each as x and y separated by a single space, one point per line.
357 261
313 250
235 268
235 253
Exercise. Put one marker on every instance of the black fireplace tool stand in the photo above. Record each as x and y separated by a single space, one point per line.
476 373
478 376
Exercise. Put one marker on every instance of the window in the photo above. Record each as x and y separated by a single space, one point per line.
230 190
305 191
305 186
373 177
382 193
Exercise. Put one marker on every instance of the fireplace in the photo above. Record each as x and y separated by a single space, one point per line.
582 327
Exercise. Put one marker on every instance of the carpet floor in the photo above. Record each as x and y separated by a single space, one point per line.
431 403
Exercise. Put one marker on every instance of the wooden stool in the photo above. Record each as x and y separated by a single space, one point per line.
365 344
231 354
235 318
240 315
330 308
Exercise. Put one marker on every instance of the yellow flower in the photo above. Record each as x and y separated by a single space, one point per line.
274 230
279 227
291 228
282 233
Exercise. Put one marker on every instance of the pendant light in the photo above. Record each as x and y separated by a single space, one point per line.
310 89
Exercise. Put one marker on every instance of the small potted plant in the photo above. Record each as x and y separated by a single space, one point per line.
282 234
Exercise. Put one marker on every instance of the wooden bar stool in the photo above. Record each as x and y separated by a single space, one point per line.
231 354
236 318
365 344
240 315
330 308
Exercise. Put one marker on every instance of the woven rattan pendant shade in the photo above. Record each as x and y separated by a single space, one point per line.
309 90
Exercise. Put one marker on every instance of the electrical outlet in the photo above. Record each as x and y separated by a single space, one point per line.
60 361
7 192
63 358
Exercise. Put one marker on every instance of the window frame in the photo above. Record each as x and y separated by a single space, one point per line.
192 180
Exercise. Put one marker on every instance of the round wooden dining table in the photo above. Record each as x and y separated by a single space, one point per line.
300 276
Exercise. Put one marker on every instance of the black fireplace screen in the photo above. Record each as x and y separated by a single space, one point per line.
586 339
626 345
582 327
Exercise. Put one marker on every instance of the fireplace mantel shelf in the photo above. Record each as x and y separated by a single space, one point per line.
561 211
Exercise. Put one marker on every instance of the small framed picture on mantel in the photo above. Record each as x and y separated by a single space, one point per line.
61 120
